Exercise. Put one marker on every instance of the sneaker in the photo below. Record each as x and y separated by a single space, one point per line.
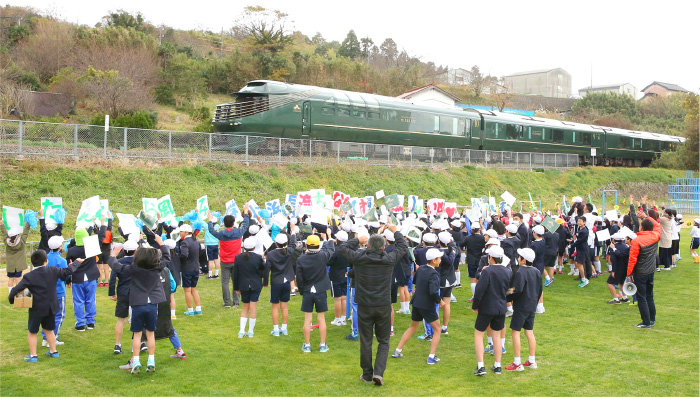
489 348
378 380
432 360
216 276
496 370
362 378
613 302
653 323
481 371
392 333
306 348
530 365
144 347
504 350
547 283
59 343
31 359
666 268
641 325
338 322
126 366
571 273
343 321
210 277
397 354
515 367
181 356
241 335
453 299
422 336
251 334
457 285
198 312
509 313
539 310
151 366
407 312
80 328
275 332
658 269
444 331
52 355
625 299
173 317
117 349
91 326
135 368
44 343
352 337
323 348
608 271
470 300
284 332
561 272
188 313
428 338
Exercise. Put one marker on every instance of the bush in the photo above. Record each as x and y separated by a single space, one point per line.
136 119
164 95
204 126
201 114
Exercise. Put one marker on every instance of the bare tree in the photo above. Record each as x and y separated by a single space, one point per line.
108 91
47 50
14 99
500 93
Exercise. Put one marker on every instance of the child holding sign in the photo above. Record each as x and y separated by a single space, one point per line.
14 240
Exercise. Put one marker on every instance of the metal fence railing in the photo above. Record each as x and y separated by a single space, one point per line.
31 139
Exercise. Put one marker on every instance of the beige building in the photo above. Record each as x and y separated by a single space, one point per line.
430 95
626 88
553 83
658 88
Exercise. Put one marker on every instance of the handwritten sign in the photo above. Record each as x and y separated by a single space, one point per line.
165 206
274 207
202 206
509 198
12 217
436 206
339 198
232 208
127 224
50 205
87 212
451 209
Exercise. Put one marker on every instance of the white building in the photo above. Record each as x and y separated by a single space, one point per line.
625 88
455 77
430 95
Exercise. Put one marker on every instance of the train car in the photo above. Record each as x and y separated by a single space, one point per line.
266 108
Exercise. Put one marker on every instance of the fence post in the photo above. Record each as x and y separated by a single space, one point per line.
246 148
486 158
388 155
170 145
338 158
469 156
556 165
517 160
432 157
21 133
280 151
125 141
104 154
210 147
411 156
310 154
364 152
544 158
452 151
75 140
530 161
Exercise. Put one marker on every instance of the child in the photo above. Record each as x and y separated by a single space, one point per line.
527 288
580 244
337 274
447 276
189 260
695 240
280 272
54 259
41 283
84 284
212 247
247 281
490 305
119 284
145 293
313 282
426 296
619 254
15 256
47 230
104 233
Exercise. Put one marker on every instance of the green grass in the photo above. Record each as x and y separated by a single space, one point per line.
585 347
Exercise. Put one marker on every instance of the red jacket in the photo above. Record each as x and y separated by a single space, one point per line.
643 250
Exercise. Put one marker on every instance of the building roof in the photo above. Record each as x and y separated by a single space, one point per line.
668 86
600 87
408 94
534 72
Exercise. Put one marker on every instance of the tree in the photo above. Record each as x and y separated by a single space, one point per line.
686 156
186 78
500 93
366 44
266 28
389 50
47 50
350 47
123 19
109 92
594 105
476 81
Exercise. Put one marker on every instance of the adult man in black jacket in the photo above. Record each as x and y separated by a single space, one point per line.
373 269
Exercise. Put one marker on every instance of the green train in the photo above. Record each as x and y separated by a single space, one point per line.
274 109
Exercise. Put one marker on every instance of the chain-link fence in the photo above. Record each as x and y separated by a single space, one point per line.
33 139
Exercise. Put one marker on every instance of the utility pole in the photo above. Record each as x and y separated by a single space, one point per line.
222 44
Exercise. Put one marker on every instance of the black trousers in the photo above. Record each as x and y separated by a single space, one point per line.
645 297
375 319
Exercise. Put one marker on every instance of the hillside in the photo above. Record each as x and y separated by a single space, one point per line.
22 183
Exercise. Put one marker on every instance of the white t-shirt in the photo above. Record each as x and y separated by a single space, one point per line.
675 231
590 222
695 232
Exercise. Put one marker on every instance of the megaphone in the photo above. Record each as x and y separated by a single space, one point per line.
629 289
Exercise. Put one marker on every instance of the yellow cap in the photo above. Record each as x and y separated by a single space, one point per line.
313 241
560 221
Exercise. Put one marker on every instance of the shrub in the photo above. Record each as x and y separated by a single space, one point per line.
164 95
201 114
136 119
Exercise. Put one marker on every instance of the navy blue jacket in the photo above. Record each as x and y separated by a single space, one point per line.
121 281
87 268
540 248
490 293
427 291
527 288
248 273
189 254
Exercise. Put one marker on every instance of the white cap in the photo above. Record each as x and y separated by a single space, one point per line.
423 216
13 232
527 253
360 222
254 229
383 219
374 224
445 237
495 252
539 230
491 233
578 199
354 228
135 237
696 220
598 219
679 216
420 225
346 226
389 235
476 225
281 239
618 236
130 245
293 221
249 243
493 241
632 236
512 228
51 226
433 253
430 238
55 242
342 236
537 219
456 223
97 222
362 231
170 243
186 228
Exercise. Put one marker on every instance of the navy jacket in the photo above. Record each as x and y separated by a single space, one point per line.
490 293
121 281
248 273
524 236
311 269
41 282
510 248
189 254
339 266
447 270
474 245
540 248
581 242
552 243
527 288
427 291
87 268
46 234
279 265
146 286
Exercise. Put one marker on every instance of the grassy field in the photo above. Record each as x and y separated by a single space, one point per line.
585 347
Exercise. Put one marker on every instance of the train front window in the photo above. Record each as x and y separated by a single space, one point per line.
255 86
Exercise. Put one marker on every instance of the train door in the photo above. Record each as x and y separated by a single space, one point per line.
305 120
479 132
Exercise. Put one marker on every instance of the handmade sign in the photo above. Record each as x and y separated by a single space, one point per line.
371 215
412 203
50 205
603 234
150 206
339 198
165 207
87 212
346 207
12 217
265 239
319 215
379 194
288 208
104 210
127 224
202 206
232 208
362 206
508 198
274 207
304 199
612 215
392 201
477 203
370 201
148 220
305 229
318 197
280 220
436 206
398 208
291 199
419 206
92 246
451 209
550 224
330 204
253 207
355 205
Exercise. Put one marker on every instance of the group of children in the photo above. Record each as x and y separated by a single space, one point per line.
507 255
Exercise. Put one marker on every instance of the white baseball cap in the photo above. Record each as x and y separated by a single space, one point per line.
281 239
491 233
170 243
493 241
512 228
389 235
537 218
342 236
249 243
430 238
346 226
56 242
433 253
578 199
254 229
476 225
186 228
527 253
383 219
495 252
362 231
445 237
420 225
456 223
618 236
130 245
539 230
13 232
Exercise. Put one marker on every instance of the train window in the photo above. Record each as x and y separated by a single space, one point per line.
537 134
373 115
445 125
514 131
467 127
436 127
343 111
455 127
586 138
358 113
490 129
327 111
558 136
391 115
637 143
